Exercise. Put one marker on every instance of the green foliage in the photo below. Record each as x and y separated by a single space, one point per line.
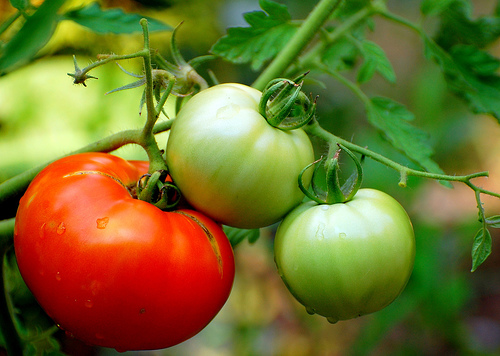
481 248
111 21
236 235
393 119
269 31
35 33
39 27
458 27
21 5
375 60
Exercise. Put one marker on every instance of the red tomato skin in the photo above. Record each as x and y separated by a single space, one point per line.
115 271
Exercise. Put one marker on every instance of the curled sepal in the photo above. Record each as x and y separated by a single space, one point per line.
285 106
337 193
315 195
169 196
153 189
353 183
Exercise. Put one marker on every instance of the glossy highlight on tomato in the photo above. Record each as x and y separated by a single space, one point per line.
349 259
230 164
112 270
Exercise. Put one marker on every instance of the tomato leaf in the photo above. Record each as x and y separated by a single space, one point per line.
236 235
111 20
481 248
393 119
458 27
471 75
494 221
375 60
269 31
341 55
32 36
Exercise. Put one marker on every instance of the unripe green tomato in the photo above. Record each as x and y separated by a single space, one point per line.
349 259
230 164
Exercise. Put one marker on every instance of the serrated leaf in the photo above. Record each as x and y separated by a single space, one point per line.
471 75
235 235
494 221
458 27
481 248
111 20
268 33
375 60
393 119
434 7
33 35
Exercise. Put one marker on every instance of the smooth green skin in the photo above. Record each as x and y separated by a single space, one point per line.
230 164
347 259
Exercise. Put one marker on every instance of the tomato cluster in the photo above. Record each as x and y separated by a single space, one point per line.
116 271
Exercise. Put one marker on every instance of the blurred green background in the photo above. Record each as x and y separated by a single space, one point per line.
445 309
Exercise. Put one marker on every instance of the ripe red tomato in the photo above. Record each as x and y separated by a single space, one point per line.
112 270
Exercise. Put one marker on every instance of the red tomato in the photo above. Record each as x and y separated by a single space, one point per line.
112 270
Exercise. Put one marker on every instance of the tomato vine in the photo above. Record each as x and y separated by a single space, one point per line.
307 49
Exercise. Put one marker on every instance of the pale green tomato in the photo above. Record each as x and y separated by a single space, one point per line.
347 259
230 164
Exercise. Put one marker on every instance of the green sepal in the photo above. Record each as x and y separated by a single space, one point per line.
153 188
353 183
314 196
334 190
285 106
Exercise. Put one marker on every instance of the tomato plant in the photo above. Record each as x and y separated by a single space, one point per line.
116 263
230 163
116 271
348 259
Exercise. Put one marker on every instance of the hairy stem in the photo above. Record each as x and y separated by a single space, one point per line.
15 186
315 129
148 141
301 39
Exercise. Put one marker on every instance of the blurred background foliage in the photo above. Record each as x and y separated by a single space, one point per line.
445 309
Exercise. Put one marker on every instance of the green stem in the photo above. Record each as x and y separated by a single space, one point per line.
312 55
148 141
15 186
299 41
315 129
7 23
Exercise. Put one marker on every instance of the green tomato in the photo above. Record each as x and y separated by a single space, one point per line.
349 259
230 164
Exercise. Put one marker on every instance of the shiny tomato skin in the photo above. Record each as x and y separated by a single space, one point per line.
112 270
230 164
349 259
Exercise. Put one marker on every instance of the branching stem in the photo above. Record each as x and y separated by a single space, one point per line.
316 130
299 41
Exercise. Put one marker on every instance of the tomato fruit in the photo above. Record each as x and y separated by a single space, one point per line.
230 164
116 271
348 259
